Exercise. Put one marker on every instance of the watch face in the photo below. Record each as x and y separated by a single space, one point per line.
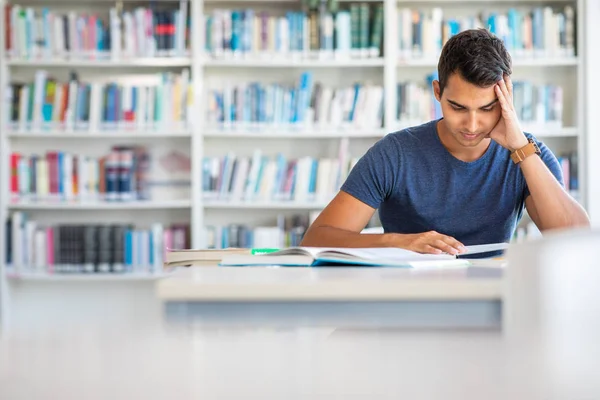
535 146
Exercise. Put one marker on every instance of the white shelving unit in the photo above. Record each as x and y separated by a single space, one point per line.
52 135
16 290
99 205
213 141
76 277
84 63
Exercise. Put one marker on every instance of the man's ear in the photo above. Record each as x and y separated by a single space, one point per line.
436 90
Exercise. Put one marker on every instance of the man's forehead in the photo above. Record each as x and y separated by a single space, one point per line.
465 93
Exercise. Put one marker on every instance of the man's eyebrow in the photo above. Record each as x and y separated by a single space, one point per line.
491 103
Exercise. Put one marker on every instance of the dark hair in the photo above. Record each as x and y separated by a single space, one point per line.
477 55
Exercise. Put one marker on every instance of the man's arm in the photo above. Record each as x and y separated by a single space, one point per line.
341 222
548 204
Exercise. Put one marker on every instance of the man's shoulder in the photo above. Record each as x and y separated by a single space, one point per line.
415 135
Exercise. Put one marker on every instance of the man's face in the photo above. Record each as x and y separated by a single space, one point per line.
470 112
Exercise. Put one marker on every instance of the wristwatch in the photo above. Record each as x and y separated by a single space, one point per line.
529 149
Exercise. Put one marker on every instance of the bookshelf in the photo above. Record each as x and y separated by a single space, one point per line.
376 61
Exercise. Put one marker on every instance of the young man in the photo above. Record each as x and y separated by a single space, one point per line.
457 181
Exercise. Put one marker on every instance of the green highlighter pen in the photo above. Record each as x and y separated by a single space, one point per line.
259 251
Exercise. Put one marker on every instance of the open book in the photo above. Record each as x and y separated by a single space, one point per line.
380 256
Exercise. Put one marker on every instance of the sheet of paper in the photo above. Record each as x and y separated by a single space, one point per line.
484 248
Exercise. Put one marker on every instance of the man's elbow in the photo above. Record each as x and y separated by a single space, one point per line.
575 220
582 221
310 238
580 218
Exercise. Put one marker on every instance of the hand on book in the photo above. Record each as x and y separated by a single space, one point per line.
431 242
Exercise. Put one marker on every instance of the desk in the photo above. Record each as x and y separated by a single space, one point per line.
333 297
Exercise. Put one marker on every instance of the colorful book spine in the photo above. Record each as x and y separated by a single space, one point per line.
261 178
288 231
305 104
130 33
121 175
542 31
88 248
320 32
47 104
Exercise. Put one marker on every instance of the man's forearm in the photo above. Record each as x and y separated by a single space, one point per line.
555 208
327 236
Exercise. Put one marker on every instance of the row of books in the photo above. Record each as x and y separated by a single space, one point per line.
540 31
355 32
141 32
47 103
126 173
263 178
287 231
32 246
305 104
534 104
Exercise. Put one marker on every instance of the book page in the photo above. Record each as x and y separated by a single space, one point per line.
312 251
384 253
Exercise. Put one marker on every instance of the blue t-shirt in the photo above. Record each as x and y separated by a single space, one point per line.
418 186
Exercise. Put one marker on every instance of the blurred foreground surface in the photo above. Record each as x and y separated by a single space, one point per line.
546 349
320 363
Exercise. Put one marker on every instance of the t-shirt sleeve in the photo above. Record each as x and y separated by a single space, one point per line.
551 162
373 178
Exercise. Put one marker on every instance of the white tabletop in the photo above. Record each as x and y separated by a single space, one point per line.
327 284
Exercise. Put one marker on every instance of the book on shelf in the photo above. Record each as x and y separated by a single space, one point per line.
569 163
307 104
142 32
33 246
287 230
536 105
362 257
322 31
47 104
540 31
262 178
126 173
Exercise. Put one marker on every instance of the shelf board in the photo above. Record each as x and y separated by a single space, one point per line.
273 205
96 134
89 277
546 132
299 63
291 133
134 62
98 205
523 62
